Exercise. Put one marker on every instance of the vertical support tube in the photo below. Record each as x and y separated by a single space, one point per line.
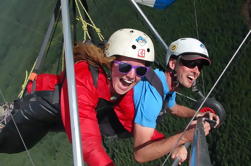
76 137
199 152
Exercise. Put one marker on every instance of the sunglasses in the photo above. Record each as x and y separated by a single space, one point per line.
192 63
126 68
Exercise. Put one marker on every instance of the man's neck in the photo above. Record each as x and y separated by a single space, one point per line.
169 80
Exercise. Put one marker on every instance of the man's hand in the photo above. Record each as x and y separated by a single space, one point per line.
180 153
189 133
213 106
210 117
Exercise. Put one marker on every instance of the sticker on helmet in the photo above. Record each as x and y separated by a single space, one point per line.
141 40
202 45
141 53
173 47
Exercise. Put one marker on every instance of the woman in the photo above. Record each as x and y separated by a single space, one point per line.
128 53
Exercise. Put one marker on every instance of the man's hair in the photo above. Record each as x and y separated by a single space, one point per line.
168 69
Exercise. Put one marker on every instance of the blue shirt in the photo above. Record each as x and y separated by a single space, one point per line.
148 102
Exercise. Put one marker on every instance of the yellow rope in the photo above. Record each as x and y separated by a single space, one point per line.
86 24
26 80
86 35
62 60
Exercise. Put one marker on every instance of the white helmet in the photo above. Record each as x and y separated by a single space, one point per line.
130 43
189 49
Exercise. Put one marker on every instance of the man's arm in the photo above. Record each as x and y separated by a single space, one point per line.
185 112
147 150
181 111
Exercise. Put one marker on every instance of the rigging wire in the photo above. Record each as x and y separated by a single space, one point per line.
196 19
156 34
52 27
20 135
198 37
190 98
204 100
43 50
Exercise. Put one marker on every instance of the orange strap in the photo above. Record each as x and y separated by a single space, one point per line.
33 76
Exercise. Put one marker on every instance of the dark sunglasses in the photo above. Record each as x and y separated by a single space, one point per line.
192 63
126 68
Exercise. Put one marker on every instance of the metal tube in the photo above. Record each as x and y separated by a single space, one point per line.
76 137
199 151
150 25
154 31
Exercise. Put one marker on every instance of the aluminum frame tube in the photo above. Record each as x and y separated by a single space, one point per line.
149 24
76 137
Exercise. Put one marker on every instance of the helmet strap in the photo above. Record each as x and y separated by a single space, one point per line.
173 74
174 80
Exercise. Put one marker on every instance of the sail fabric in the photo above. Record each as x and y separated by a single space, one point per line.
156 3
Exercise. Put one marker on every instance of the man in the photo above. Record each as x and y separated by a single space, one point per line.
187 57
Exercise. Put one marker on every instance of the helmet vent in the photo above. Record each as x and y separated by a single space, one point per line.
133 47
148 50
131 31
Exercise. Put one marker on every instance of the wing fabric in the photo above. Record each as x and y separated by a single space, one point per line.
161 4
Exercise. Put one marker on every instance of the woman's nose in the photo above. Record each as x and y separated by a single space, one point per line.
131 74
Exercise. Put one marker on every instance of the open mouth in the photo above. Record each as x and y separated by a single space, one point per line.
191 78
125 82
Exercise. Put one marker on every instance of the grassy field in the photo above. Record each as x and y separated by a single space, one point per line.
221 26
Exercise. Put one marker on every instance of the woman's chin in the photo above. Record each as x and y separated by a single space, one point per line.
121 90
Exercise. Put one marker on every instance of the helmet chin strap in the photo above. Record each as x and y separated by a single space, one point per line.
174 78
174 83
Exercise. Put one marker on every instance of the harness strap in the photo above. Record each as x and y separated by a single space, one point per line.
94 72
46 40
154 80
38 62
109 123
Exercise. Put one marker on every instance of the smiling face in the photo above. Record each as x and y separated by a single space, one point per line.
186 75
122 82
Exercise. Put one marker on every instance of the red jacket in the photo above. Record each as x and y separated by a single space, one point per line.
88 96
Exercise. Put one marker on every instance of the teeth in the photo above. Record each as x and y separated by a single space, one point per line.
128 81
190 77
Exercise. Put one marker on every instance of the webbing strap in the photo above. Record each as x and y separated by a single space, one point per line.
45 42
94 73
47 37
36 67
155 81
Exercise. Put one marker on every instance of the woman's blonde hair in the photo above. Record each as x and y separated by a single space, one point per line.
92 54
